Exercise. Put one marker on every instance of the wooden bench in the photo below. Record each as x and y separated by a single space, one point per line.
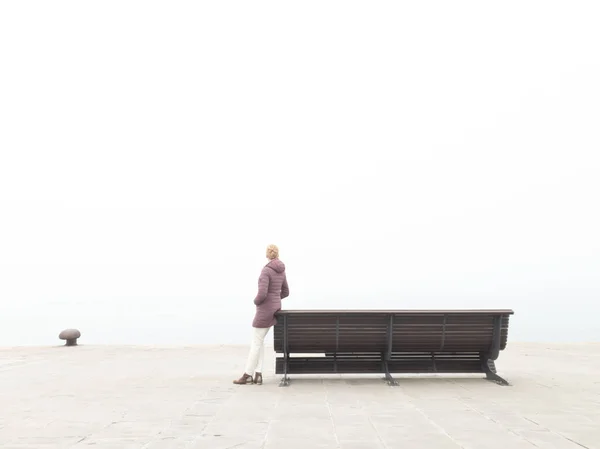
389 341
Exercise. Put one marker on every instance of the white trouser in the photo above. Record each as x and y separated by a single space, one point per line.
257 351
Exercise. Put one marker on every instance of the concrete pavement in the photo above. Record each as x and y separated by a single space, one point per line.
119 397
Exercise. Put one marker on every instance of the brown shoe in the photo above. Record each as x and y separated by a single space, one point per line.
245 379
258 378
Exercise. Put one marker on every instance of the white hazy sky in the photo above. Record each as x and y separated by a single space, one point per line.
401 154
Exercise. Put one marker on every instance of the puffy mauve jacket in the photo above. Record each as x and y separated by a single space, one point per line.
272 287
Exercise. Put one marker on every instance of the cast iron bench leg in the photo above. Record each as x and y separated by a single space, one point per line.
286 353
390 380
285 382
490 374
387 355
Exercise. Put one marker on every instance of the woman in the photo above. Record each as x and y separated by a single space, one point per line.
272 287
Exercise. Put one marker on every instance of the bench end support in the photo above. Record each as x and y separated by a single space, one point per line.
493 377
489 368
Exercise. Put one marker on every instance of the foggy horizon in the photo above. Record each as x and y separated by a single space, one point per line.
400 155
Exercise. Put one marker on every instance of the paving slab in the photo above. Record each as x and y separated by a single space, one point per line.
135 397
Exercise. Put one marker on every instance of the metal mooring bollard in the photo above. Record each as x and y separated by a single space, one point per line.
71 335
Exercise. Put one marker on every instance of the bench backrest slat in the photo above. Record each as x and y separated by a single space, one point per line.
413 331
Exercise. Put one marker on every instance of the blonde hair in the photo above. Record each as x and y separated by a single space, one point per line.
272 252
